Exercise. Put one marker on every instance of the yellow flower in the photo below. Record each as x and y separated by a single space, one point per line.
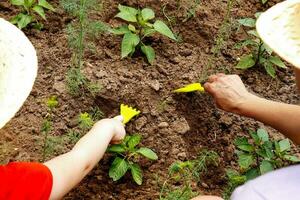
191 88
128 113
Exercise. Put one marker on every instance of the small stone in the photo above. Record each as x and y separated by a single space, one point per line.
186 52
181 126
100 74
163 125
141 122
182 156
59 87
204 185
175 60
155 85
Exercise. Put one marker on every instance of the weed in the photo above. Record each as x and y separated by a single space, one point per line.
73 136
257 156
139 28
32 11
80 36
126 157
46 128
261 54
85 121
96 113
185 173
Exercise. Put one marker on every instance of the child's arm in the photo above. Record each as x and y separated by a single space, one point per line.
70 168
231 95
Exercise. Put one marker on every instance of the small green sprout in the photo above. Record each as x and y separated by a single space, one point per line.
31 9
261 54
258 155
140 27
126 157
52 102
85 121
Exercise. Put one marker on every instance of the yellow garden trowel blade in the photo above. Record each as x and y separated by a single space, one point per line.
190 88
128 113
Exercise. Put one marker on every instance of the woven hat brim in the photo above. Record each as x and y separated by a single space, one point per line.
279 28
18 70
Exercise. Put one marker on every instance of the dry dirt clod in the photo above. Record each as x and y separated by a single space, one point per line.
59 87
155 85
141 122
181 126
163 125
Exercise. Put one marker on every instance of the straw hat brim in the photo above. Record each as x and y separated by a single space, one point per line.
279 28
18 70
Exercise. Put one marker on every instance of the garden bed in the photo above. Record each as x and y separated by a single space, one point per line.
176 127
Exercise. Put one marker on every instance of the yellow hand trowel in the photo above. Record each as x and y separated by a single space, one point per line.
190 88
128 113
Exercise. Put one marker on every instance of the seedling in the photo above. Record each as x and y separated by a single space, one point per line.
261 54
190 88
184 174
32 11
126 156
259 155
128 113
46 128
140 27
85 121
81 33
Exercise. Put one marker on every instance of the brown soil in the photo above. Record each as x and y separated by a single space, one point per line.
194 122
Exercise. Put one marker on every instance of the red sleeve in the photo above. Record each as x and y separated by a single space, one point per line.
23 181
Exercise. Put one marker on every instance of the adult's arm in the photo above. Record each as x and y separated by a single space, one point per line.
231 95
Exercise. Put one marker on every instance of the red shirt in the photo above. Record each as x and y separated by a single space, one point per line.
25 181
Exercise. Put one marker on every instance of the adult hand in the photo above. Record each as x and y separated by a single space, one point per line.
228 91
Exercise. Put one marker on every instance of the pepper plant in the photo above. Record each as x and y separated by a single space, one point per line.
126 156
258 155
261 54
32 11
139 27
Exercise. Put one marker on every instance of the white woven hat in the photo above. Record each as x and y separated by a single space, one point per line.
18 69
279 28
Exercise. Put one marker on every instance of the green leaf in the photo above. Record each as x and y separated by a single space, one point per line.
129 42
116 148
277 148
246 62
17 2
263 135
148 31
252 174
264 1
254 33
270 69
246 43
131 28
148 153
284 145
121 30
148 14
163 29
23 20
265 167
118 168
243 144
267 48
134 140
149 52
28 3
291 158
46 5
127 13
40 10
254 137
235 178
136 173
249 22
257 15
268 146
245 160
277 61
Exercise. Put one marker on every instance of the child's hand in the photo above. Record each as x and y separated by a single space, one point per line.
114 126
